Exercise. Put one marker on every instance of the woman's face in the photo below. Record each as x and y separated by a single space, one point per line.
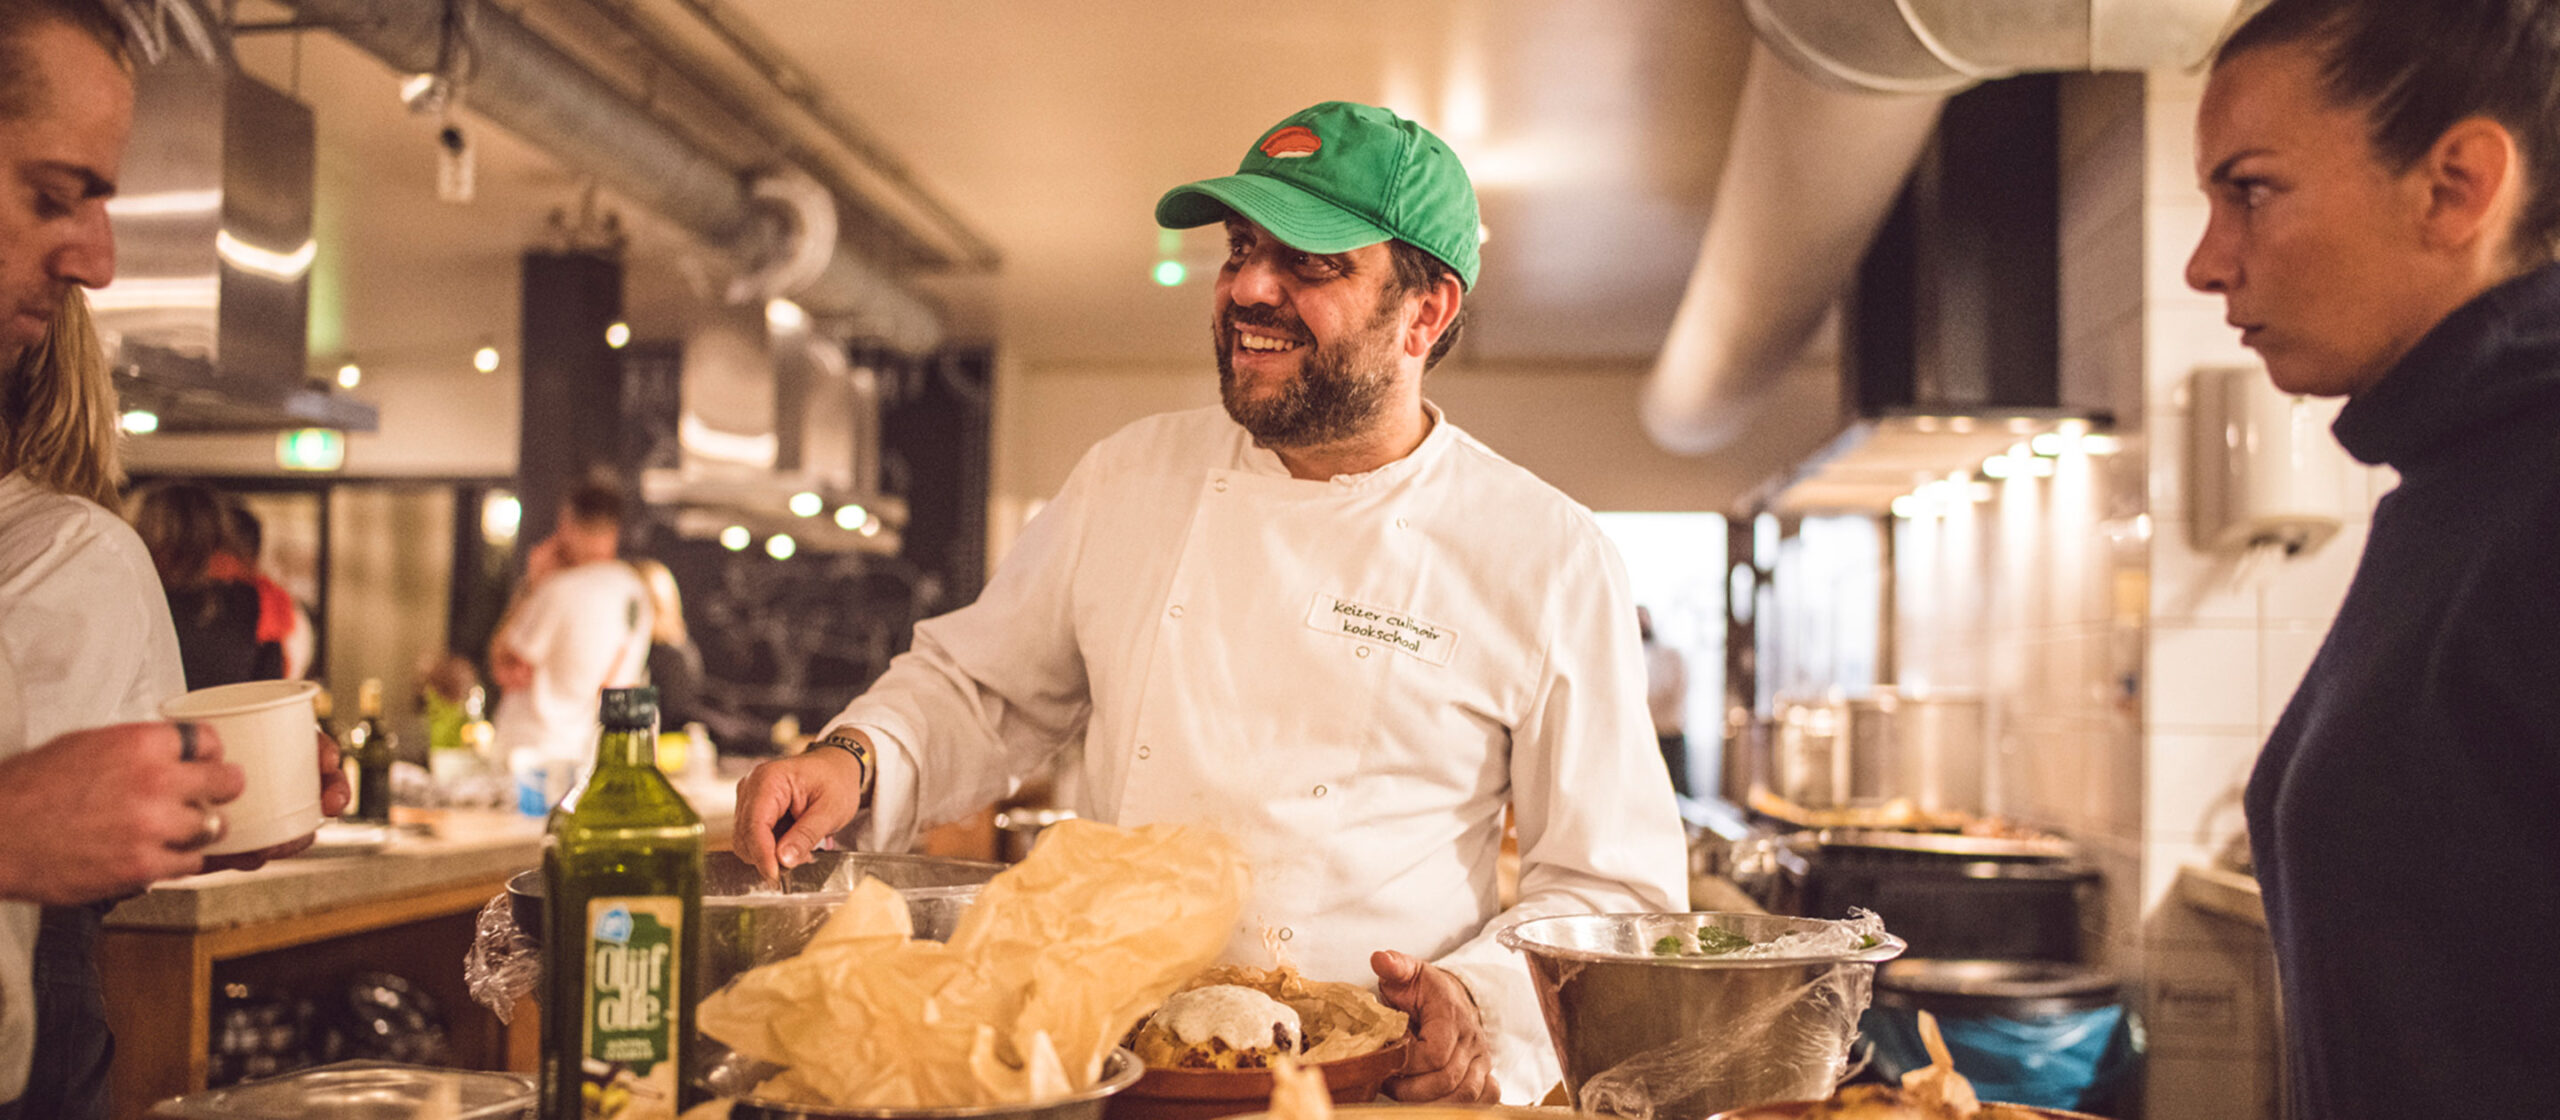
2315 245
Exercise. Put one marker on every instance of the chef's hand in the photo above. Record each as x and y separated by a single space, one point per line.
334 796
788 805
1450 1059
95 814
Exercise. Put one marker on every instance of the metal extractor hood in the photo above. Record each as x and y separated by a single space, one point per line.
205 323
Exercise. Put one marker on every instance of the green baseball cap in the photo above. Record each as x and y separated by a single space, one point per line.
1339 176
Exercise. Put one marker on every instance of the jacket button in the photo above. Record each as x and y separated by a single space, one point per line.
1175 610
1320 791
1143 752
1220 485
1285 933
1404 523
1359 651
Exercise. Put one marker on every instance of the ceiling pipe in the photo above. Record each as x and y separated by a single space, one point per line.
1838 102
529 87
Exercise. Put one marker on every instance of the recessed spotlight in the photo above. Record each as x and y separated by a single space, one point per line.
807 504
736 538
350 375
851 518
618 335
485 359
780 546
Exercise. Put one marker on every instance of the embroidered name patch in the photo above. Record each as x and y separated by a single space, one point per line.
1394 629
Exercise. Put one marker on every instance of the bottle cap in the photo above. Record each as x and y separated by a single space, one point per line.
629 709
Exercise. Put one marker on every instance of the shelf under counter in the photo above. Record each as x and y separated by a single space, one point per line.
408 907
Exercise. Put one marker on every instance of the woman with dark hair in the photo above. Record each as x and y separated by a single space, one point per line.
2384 184
187 528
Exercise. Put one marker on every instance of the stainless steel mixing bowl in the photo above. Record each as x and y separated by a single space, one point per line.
1683 1037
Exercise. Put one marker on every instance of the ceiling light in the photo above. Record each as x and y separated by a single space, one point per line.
736 538
851 518
1999 466
1906 507
2038 466
501 517
1170 273
807 504
2074 426
485 359
784 315
350 376
2020 425
1483 234
139 422
618 335
1925 423
780 546
2050 444
2100 444
1960 424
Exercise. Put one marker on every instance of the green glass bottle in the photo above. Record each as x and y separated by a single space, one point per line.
369 744
622 868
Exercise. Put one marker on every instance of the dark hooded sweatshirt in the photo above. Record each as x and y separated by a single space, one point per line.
2405 815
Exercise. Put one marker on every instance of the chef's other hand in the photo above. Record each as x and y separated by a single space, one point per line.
334 796
788 805
1450 1059
96 814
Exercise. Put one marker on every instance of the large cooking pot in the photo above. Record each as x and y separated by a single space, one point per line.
1925 748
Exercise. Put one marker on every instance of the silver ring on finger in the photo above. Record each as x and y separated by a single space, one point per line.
212 828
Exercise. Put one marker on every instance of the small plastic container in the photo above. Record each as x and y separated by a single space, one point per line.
358 1091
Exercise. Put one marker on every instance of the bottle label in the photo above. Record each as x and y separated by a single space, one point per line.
633 975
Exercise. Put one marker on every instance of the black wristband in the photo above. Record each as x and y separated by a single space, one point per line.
861 753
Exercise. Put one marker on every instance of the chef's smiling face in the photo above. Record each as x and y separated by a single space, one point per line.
59 155
2316 246
1306 342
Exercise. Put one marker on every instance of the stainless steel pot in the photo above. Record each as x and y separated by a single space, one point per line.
1862 752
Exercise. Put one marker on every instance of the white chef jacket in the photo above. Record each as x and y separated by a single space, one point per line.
585 629
85 641
1351 677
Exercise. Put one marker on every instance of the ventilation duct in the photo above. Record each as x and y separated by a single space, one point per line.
1838 102
527 86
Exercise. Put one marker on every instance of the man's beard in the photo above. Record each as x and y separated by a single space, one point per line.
1339 393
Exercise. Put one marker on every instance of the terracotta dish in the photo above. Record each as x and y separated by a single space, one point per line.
1795 1110
1203 1094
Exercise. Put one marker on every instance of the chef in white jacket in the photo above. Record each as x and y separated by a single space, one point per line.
1321 618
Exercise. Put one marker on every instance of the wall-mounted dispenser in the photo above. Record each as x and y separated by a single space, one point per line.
2263 472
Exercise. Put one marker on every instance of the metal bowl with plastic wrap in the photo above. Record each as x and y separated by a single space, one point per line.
1681 1016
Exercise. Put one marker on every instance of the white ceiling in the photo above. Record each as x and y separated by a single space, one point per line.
1595 129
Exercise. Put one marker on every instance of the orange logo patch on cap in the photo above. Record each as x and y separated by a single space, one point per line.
1294 142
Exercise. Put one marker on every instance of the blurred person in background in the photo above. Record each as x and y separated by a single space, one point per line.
98 797
580 625
187 527
1666 695
675 668
280 619
2384 188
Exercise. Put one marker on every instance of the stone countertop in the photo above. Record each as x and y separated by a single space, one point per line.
424 850
2216 890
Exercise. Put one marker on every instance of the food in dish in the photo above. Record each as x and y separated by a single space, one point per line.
1222 1026
1933 1092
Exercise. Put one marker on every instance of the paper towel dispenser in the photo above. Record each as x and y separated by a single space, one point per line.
2263 472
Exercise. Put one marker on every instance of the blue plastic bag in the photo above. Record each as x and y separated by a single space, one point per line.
2075 1060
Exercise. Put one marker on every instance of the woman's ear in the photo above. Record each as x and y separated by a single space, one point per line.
2474 179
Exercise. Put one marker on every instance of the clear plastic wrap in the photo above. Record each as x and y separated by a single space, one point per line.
1651 1033
505 962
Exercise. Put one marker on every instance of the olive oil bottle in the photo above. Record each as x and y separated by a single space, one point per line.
622 869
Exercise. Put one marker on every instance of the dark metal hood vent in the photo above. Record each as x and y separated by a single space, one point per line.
1951 337
206 321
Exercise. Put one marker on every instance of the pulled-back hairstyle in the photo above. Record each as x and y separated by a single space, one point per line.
22 88
183 524
2415 67
58 409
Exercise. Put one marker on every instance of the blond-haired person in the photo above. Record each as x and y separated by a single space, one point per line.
97 798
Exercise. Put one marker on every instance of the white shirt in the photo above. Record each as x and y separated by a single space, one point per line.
1667 688
585 629
1351 677
85 641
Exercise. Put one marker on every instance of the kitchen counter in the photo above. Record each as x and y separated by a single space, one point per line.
2216 890
406 903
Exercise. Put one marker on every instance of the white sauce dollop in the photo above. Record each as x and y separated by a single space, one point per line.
1238 1016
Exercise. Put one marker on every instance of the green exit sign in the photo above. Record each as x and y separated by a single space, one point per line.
311 449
